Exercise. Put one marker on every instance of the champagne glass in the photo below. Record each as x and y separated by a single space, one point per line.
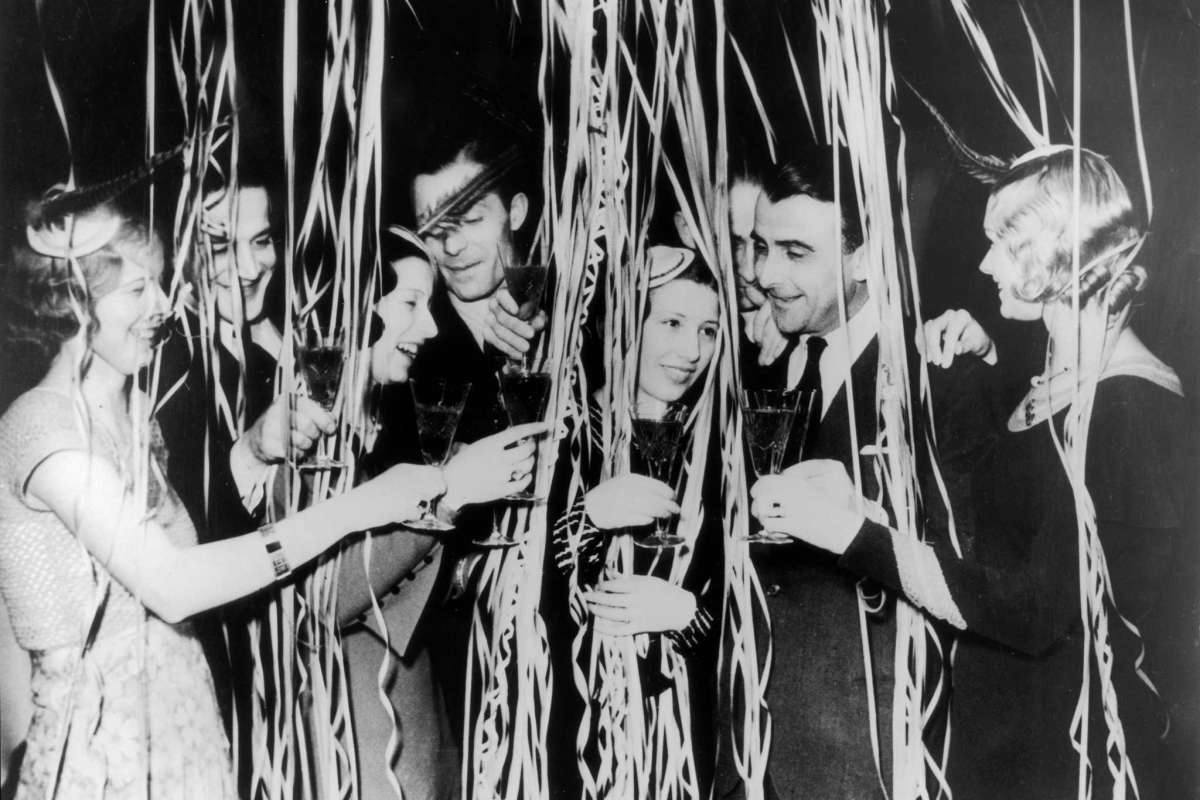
767 418
656 437
320 353
524 395
439 405
527 284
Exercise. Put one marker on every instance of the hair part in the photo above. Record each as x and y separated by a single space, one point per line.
472 136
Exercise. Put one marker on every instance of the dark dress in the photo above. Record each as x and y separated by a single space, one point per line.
1017 674
584 562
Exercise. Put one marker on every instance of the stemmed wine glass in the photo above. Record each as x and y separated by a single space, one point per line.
526 283
439 405
768 416
657 434
320 353
524 395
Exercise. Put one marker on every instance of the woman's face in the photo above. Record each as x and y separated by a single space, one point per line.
999 263
678 339
128 317
407 323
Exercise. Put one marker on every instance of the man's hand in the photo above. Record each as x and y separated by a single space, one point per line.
632 604
505 330
763 332
271 439
814 501
952 334
628 501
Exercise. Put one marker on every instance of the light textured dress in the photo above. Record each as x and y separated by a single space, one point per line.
123 702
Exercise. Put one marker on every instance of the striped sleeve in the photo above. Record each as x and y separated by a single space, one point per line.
688 640
576 540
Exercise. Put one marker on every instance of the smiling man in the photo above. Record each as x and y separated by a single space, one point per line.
810 268
811 263
222 469
472 210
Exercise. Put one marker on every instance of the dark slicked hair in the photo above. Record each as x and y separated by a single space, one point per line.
472 135
811 174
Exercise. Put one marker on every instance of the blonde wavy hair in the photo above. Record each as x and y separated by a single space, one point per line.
1033 210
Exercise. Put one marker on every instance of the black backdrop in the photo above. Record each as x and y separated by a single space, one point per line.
98 54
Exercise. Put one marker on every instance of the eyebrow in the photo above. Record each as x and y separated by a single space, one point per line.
785 243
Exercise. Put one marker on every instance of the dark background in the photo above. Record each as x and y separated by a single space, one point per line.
442 48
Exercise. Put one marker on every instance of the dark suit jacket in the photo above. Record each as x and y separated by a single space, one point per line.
198 440
818 691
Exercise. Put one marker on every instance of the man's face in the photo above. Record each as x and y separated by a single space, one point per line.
743 196
800 265
470 251
242 250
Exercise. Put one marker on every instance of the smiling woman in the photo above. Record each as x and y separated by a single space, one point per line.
679 335
403 314
99 566
673 592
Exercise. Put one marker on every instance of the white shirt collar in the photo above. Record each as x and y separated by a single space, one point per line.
473 313
843 347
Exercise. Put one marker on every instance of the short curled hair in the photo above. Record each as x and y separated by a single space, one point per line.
43 299
1033 204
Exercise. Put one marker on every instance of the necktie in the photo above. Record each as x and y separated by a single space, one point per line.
810 392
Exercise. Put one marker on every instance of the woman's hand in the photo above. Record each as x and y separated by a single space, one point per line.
814 501
632 604
952 334
629 501
492 467
401 493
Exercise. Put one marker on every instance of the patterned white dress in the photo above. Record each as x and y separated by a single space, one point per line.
123 702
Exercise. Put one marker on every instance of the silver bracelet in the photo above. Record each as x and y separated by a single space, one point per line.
275 551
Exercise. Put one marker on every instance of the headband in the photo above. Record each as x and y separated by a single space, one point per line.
667 263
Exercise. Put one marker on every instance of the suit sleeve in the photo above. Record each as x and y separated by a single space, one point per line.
1026 596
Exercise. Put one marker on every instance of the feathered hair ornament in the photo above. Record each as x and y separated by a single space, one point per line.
59 201
58 225
457 203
